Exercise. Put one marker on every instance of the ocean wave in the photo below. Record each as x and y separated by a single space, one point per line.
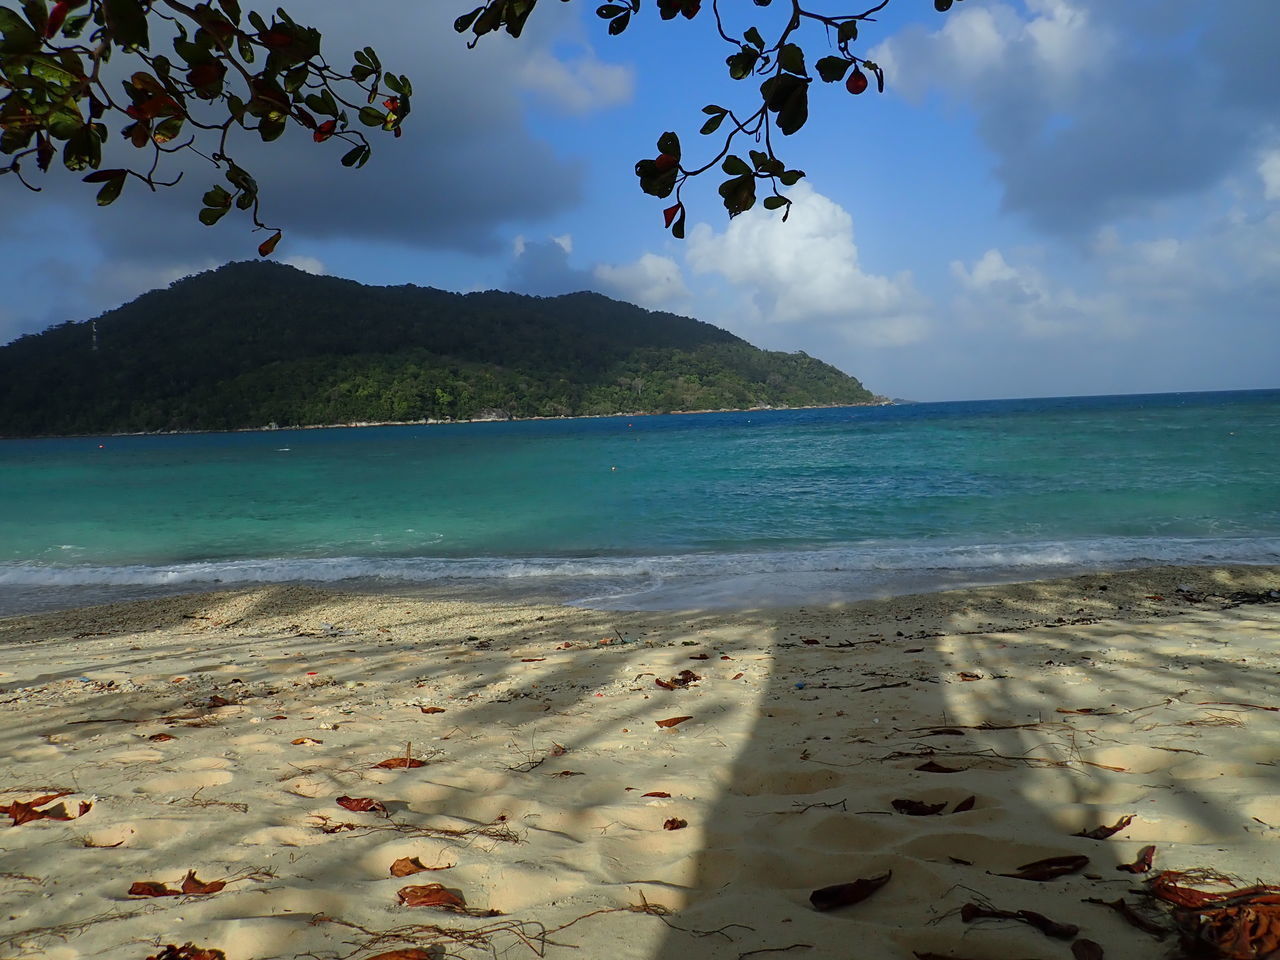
883 557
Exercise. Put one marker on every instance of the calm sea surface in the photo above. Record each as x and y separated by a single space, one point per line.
666 511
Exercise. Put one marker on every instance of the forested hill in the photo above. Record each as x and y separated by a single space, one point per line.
258 343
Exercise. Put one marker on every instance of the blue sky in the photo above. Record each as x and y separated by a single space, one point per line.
1052 197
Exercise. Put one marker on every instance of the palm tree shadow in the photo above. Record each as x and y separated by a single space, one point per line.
1025 726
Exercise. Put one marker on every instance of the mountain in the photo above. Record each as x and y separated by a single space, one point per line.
257 343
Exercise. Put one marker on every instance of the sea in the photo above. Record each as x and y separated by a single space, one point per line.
714 510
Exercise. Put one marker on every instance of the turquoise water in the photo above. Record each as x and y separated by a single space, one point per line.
781 506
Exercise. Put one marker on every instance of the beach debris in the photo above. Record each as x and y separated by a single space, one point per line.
409 953
1132 916
674 823
1102 832
1087 950
932 767
362 804
21 812
918 808
1049 868
191 886
160 737
680 681
1089 711
965 675
1234 924
301 740
704 656
557 749
672 721
432 709
1228 703
400 763
1050 928
407 866
569 773
845 894
1142 864
737 676
655 793
431 895
965 805
189 951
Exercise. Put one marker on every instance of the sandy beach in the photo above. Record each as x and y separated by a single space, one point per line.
331 757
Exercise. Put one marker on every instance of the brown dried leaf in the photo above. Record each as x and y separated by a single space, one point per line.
970 676
1089 711
188 951
410 953
193 886
1142 864
1087 950
1132 916
407 866
362 804
700 656
844 894
1101 833
737 676
557 749
217 701
21 812
431 895
569 773
148 888
656 793
675 823
932 767
432 709
532 659
160 737
278 716
665 684
671 721
1050 868
918 808
301 740
399 763
965 804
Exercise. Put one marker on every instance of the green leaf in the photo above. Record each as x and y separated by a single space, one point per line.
774 202
211 215
256 21
618 24
795 111
37 13
669 143
847 31
739 194
110 190
831 69
741 64
19 38
271 127
752 36
372 117
713 109
393 83
608 11
790 178
355 156
127 21
217 196
712 123
792 59
735 166
942 6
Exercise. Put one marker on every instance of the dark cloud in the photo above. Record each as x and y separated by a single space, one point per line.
1104 109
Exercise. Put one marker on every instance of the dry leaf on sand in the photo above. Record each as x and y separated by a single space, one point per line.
430 895
672 721
844 894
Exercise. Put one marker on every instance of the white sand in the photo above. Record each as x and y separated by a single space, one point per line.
785 774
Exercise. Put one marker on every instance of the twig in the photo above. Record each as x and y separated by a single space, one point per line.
794 946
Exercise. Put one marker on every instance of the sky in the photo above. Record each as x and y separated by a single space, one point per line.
1052 197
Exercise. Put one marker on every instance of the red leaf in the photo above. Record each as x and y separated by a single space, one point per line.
672 721
669 214
188 951
432 709
56 16
1101 833
1049 868
656 793
1142 864
675 823
195 887
737 676
430 895
324 131
362 804
845 894
407 866
268 246
146 888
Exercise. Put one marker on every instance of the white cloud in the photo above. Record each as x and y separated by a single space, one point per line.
1269 171
806 271
651 281
1021 299
305 264
580 85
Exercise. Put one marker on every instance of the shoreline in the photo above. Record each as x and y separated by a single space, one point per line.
218 733
876 402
